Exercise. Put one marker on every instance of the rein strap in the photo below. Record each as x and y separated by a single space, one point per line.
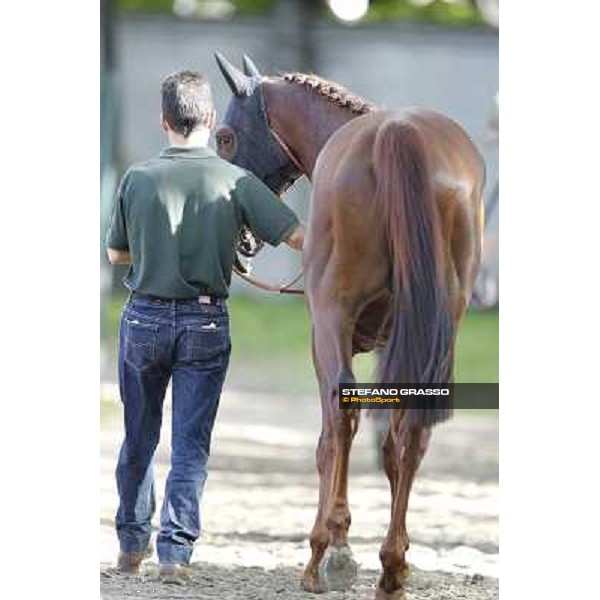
284 289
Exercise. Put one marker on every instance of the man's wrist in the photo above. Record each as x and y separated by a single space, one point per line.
296 239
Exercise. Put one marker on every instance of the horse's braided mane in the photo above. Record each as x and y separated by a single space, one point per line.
332 91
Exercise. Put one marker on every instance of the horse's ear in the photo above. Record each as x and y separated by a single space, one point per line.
237 81
250 68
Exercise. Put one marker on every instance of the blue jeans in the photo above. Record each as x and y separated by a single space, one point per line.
160 339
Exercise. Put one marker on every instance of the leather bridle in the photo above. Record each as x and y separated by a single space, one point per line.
290 174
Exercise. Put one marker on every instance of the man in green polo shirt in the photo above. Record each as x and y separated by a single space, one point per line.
175 221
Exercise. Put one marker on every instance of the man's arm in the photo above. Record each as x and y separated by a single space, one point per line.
296 239
117 240
266 215
118 257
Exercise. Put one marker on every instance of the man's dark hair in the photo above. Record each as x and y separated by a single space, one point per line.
186 101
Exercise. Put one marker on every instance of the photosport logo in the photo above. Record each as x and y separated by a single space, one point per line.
412 395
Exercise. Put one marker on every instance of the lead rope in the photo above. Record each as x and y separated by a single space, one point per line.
284 289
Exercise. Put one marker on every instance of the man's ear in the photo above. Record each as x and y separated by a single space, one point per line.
163 123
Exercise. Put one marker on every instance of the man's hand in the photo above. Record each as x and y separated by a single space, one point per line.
296 239
118 257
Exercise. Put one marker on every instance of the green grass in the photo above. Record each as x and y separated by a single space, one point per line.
477 349
271 345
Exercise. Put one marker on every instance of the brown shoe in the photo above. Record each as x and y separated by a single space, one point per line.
129 562
173 573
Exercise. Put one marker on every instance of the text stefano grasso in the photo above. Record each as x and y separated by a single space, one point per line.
408 391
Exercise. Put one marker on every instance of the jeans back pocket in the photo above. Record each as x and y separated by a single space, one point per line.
207 341
140 343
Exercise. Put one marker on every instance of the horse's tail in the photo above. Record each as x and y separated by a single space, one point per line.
420 343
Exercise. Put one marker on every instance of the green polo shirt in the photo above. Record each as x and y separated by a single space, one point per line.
178 215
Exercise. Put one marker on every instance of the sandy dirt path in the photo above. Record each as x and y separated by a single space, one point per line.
260 504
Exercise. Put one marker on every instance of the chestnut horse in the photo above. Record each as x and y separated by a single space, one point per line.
391 252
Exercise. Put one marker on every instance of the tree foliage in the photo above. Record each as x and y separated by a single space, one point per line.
437 11
246 7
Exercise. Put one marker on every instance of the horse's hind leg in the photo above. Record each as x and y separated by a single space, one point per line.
403 450
332 353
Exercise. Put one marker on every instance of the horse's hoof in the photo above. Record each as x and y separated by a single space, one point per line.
393 580
338 569
313 584
398 594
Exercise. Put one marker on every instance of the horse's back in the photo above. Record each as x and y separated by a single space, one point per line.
344 210
348 170
347 157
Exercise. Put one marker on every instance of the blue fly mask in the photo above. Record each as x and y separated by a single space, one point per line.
245 137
